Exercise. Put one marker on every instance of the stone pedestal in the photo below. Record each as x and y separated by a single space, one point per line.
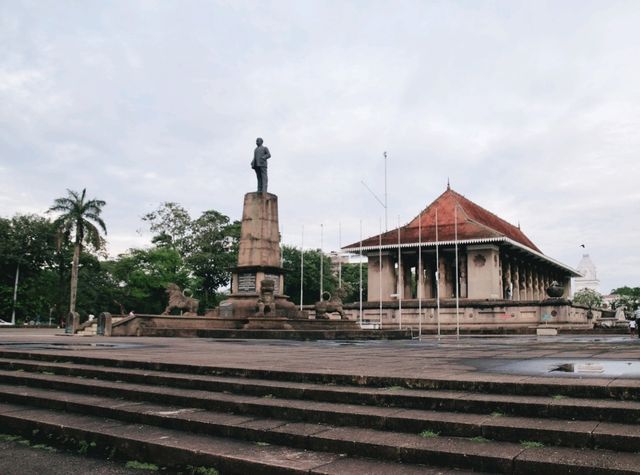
72 324
259 247
258 264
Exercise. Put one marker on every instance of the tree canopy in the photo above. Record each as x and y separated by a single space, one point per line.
80 221
629 297
195 254
291 262
588 298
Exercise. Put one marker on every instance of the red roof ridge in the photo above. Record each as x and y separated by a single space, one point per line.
479 216
473 222
518 234
485 210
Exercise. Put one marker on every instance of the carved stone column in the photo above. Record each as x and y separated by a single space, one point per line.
516 281
428 265
506 277
462 261
442 278
523 282
380 274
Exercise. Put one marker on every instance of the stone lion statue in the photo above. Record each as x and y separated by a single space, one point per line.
177 299
331 304
266 302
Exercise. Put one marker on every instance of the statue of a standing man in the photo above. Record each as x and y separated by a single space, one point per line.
259 164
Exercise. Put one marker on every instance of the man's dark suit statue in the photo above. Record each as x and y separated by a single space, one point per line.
259 164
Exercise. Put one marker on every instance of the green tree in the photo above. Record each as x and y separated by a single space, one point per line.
311 279
143 274
208 245
213 250
171 224
588 298
351 282
77 222
26 253
629 297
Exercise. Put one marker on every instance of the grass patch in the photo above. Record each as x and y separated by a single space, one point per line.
263 444
134 464
48 448
205 471
558 397
531 444
393 388
83 447
9 438
427 434
497 414
268 396
480 439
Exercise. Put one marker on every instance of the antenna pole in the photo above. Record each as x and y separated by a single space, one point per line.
386 208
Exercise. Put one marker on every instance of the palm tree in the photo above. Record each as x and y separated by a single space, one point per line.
78 218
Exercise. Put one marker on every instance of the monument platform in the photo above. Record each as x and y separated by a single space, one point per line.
403 407
250 327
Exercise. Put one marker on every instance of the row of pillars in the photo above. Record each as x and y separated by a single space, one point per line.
405 278
523 281
483 273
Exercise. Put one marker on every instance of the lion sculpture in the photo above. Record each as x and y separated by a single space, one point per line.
331 304
178 300
266 304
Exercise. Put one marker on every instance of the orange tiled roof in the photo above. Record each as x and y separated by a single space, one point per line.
473 223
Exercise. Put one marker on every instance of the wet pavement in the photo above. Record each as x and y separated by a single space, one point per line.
564 356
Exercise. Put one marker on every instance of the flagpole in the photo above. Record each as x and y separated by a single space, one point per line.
420 283
437 278
360 273
380 270
386 208
455 240
400 279
321 261
302 268
339 256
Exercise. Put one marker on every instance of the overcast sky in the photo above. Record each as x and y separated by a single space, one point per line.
531 109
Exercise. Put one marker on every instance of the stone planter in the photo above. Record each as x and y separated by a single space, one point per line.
555 291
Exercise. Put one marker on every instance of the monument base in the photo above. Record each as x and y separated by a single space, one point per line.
250 305
252 327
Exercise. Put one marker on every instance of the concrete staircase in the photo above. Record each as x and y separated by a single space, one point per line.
90 328
259 421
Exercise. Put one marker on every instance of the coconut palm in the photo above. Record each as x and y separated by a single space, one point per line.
77 219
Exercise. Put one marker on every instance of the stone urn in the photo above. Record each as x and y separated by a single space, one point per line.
555 290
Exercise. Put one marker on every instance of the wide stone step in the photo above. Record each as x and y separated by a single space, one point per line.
496 426
168 446
119 439
623 389
452 401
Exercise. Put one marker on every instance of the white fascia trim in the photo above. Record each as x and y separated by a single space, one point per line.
542 256
357 249
424 244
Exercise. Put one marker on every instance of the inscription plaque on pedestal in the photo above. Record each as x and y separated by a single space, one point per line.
246 283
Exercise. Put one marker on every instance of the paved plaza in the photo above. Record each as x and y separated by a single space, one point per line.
567 391
495 358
